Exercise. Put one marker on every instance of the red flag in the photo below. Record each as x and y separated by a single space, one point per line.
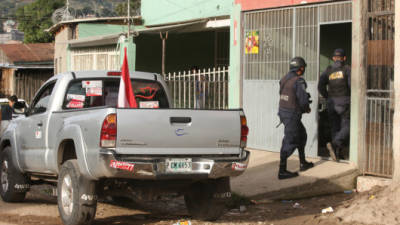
126 98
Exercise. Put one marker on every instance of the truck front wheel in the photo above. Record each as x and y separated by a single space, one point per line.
206 200
76 198
13 184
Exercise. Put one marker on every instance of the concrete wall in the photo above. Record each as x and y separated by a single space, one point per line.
235 78
166 11
358 83
61 50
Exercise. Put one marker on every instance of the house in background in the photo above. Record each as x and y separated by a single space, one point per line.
170 38
13 37
10 34
91 44
24 68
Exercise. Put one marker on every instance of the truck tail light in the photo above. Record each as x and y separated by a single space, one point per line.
108 133
114 73
244 131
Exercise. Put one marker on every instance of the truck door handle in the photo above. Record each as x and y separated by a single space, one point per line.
40 124
173 120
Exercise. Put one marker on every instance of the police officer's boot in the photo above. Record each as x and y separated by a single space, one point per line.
304 165
283 173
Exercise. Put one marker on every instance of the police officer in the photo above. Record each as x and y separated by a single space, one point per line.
334 84
294 101
6 113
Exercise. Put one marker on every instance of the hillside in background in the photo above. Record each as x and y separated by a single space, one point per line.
8 7
81 8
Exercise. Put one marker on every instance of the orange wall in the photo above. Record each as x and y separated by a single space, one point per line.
263 4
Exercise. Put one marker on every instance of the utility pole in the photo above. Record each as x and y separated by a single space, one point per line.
163 38
129 18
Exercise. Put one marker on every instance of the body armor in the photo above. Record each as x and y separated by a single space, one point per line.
287 94
338 85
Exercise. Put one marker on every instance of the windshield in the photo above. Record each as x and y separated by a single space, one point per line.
89 93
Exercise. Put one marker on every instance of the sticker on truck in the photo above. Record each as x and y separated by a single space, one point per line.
149 105
239 166
92 84
122 165
74 104
94 91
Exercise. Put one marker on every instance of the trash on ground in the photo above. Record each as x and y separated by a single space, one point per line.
242 208
348 191
327 210
371 197
187 222
296 205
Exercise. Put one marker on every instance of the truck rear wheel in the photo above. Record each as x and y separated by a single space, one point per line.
76 198
13 184
206 200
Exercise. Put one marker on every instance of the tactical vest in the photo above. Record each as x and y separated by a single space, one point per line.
287 94
338 85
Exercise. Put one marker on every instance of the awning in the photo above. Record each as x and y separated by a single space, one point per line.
190 26
95 41
183 27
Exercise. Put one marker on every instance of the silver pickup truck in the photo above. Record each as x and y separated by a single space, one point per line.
74 136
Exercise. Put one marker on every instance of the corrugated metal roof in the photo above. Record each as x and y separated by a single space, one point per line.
122 20
22 53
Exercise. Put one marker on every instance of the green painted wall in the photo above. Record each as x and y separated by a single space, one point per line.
92 29
130 50
182 51
234 59
167 11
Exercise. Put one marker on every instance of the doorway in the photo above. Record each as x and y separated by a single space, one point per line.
332 36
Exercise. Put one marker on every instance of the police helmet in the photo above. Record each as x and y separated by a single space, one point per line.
339 52
297 63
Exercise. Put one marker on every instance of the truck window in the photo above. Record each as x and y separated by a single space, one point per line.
41 101
88 93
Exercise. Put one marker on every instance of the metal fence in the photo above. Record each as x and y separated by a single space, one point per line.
378 152
201 89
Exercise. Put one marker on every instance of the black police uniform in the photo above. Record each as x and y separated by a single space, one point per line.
337 78
6 112
294 101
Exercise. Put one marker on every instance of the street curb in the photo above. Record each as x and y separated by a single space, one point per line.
330 185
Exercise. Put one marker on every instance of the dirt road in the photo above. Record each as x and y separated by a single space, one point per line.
41 209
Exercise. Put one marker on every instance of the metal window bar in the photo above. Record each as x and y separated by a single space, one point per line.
202 89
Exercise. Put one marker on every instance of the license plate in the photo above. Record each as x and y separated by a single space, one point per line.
179 165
